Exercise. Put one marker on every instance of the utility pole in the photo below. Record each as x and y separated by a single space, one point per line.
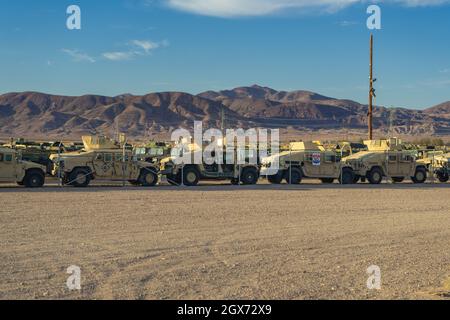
371 91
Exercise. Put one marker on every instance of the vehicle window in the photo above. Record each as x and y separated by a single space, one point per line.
8 157
392 158
108 157
99 157
330 158
406 158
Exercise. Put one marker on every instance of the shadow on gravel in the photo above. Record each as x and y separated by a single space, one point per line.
228 187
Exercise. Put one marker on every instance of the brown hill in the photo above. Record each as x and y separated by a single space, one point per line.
32 114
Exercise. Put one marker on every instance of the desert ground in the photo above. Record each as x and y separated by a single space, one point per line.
218 241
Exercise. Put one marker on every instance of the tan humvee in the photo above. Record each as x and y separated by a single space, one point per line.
24 173
386 158
102 159
191 174
437 164
306 160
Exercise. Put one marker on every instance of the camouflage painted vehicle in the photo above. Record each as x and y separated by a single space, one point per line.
24 173
386 158
102 159
438 164
192 174
306 160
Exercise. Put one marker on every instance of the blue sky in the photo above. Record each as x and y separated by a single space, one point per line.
141 46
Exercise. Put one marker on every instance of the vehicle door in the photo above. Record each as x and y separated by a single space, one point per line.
122 167
312 163
329 165
392 164
104 165
8 166
406 165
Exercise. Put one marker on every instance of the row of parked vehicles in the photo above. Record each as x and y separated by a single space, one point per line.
104 159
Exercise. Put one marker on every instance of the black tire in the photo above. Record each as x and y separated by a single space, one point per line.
191 177
148 178
347 176
294 176
398 179
443 176
375 176
79 178
420 176
327 180
34 179
249 176
277 178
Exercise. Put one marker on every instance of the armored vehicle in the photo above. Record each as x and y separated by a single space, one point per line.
386 158
191 174
102 159
437 164
24 173
306 160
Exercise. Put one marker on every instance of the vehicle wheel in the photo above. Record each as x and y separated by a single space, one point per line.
276 179
398 179
375 176
79 178
294 176
327 180
443 177
347 177
420 176
249 176
148 178
191 177
34 179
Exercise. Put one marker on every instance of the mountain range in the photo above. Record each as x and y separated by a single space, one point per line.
33 114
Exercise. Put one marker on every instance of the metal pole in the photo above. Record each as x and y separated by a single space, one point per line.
123 165
370 114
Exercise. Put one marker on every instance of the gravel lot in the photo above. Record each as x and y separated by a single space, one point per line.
225 242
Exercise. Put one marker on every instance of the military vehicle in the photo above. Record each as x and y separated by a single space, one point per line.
437 164
191 174
153 151
102 159
386 158
306 160
24 173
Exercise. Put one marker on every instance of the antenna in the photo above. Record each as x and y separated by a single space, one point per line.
371 91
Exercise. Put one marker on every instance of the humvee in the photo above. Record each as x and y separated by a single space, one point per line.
306 160
102 159
192 174
24 173
386 158
438 164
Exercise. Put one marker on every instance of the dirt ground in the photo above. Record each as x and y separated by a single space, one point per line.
226 242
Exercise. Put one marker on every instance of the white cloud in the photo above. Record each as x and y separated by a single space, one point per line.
145 45
79 56
240 8
118 56
138 48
